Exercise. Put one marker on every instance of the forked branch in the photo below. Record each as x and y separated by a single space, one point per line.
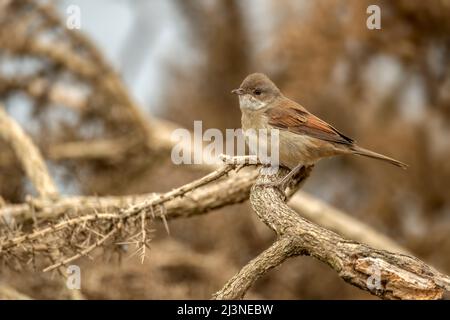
382 273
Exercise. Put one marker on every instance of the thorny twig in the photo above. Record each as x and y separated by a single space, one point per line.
88 231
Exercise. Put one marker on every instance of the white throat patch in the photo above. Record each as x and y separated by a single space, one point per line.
248 102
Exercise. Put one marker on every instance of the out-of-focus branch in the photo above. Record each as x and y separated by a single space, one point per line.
382 273
88 150
28 155
39 88
9 293
77 56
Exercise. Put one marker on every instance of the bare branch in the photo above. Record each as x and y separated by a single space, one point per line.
202 200
398 276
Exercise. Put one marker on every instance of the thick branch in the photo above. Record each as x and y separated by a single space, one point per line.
382 273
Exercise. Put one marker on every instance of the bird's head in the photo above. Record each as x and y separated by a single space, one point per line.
256 92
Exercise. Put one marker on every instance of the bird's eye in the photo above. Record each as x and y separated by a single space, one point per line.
257 92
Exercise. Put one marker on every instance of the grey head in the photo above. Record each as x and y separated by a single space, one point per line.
257 91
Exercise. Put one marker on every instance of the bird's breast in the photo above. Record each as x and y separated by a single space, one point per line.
254 120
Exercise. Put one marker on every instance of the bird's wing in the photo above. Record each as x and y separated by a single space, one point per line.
291 116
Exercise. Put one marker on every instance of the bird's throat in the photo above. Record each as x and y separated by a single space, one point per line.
249 103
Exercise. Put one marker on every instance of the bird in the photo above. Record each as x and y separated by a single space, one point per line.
303 138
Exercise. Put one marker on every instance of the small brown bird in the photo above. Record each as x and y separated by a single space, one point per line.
303 138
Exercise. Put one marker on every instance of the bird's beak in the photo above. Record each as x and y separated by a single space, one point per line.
238 91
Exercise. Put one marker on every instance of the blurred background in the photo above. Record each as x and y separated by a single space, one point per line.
179 59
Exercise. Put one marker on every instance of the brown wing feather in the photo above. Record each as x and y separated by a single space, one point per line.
294 118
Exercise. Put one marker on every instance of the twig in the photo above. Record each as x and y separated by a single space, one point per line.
57 227
83 252
161 199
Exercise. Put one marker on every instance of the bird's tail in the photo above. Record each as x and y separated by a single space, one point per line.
367 153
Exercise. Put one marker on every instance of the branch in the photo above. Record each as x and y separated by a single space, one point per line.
86 225
201 201
336 220
28 155
396 276
89 150
97 72
237 286
9 293
38 88
234 189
